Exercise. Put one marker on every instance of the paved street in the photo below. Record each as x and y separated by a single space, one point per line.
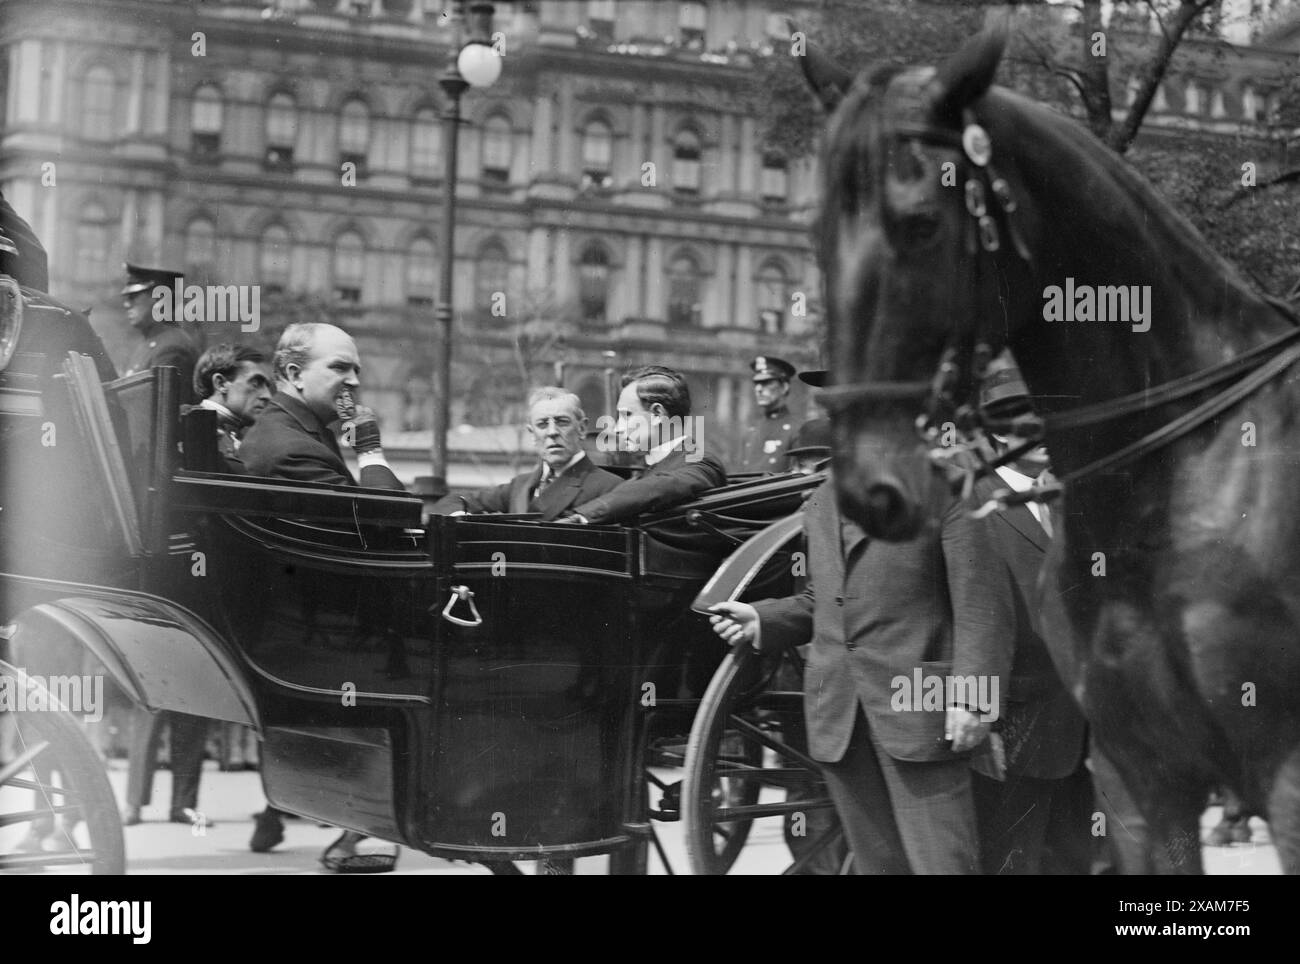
231 799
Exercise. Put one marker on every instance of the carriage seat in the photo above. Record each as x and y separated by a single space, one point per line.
692 539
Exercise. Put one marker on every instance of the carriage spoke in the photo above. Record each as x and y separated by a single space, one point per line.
824 840
728 814
29 816
46 859
47 788
19 763
774 744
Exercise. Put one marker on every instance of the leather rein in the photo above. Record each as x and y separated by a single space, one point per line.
966 356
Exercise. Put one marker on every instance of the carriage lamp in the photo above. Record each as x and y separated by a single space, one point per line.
475 64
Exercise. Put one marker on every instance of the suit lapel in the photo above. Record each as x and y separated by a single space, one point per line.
310 424
1018 517
521 493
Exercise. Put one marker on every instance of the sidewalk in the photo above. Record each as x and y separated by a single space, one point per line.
230 800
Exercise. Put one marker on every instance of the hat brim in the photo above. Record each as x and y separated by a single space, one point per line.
823 450
815 378
769 377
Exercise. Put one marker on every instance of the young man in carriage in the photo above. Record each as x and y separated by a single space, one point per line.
654 418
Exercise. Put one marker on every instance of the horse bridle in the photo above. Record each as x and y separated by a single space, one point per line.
971 352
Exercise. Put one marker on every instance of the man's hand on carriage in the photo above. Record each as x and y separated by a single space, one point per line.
965 729
736 622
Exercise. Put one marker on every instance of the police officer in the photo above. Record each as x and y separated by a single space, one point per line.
768 438
162 342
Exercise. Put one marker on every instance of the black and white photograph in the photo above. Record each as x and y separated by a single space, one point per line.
639 437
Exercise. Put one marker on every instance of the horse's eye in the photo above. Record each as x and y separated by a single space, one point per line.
916 230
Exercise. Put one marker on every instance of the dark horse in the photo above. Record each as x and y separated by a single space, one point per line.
1172 603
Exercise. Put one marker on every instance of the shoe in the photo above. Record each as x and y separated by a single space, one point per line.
131 817
190 816
341 861
267 832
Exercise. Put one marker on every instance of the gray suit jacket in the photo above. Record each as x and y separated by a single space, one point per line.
582 481
876 611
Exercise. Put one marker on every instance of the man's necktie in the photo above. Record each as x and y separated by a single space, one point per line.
547 479
1044 512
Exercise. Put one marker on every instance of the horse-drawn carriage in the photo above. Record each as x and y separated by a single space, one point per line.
487 688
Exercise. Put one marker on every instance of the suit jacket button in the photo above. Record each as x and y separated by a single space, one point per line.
839 600
850 646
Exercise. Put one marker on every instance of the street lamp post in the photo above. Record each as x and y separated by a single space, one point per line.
475 64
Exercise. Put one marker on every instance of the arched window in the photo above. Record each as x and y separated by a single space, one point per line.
592 392
1218 109
94 239
600 18
686 162
593 283
1192 101
281 132
273 258
354 135
776 182
200 250
597 152
692 17
684 291
1160 102
1251 105
497 149
772 298
99 100
491 274
426 145
421 273
349 267
205 123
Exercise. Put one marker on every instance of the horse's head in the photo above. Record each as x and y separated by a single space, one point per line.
916 236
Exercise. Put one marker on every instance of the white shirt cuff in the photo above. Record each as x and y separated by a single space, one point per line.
372 458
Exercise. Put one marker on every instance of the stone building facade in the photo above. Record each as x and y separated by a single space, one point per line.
616 206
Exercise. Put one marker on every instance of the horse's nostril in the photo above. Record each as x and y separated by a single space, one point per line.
884 501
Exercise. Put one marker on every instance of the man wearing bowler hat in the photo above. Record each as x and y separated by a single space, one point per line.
768 437
162 342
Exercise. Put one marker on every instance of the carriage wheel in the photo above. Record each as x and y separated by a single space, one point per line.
57 809
740 717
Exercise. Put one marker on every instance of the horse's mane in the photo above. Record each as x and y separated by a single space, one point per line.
1053 141
1059 159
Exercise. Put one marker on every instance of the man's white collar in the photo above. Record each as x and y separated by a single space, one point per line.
661 451
218 408
549 473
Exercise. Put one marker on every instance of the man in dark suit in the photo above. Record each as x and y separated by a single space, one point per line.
162 342
1035 817
318 381
564 476
884 617
654 417
21 255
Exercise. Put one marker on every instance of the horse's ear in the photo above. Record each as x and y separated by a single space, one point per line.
968 73
828 80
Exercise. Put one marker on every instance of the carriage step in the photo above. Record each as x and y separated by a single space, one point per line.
670 804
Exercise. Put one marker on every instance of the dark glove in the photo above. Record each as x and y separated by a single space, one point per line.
365 431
